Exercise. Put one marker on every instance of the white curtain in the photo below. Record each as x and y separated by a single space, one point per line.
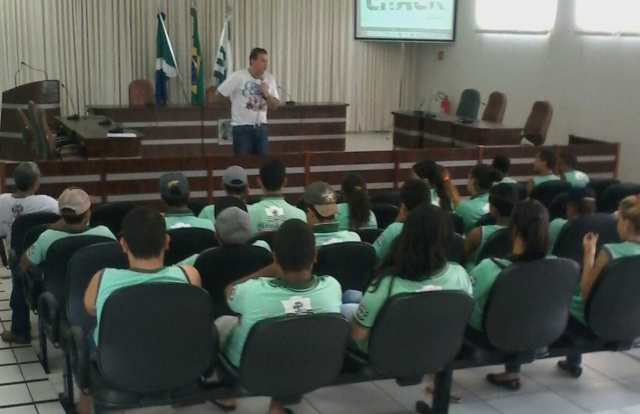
97 47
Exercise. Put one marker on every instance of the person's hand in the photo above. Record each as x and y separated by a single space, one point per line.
264 90
589 243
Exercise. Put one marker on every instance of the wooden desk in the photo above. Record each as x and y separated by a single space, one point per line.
431 130
93 136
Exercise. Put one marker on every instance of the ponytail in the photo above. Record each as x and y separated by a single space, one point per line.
530 221
354 190
438 178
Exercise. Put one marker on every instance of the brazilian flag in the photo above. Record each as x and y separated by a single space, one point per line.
197 80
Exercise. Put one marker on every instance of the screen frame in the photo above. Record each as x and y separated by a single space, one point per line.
384 39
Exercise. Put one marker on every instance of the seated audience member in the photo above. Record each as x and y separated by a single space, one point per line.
144 241
417 263
568 170
581 201
294 290
23 201
502 199
319 204
629 231
269 213
355 213
413 193
235 184
174 190
503 163
443 192
529 230
543 167
481 179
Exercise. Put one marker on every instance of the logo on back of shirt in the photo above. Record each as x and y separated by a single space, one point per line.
275 218
297 305
17 209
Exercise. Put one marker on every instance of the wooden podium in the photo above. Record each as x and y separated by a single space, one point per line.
46 94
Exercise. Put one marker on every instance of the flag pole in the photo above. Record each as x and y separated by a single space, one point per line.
166 35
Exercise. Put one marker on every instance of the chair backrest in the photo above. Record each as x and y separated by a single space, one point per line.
369 235
522 191
497 245
24 223
569 241
390 197
600 185
486 220
84 264
458 223
25 130
186 242
350 263
57 260
456 251
38 138
172 314
528 305
558 206
615 194
141 93
418 333
535 130
276 349
469 104
265 236
385 214
196 206
220 266
32 235
494 111
546 191
612 308
111 215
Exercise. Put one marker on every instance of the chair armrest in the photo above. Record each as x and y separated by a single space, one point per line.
49 311
80 363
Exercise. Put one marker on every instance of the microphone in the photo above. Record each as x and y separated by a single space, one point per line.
76 115
419 111
15 77
46 76
290 101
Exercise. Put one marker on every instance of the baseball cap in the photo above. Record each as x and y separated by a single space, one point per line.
174 184
233 226
577 194
322 197
235 176
74 199
222 203
25 175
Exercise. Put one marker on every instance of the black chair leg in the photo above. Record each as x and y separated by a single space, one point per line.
66 397
44 359
441 394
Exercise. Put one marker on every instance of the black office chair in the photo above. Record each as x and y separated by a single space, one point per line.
221 266
569 241
31 282
385 214
265 236
185 242
600 186
615 194
252 199
558 207
155 368
111 215
486 220
458 223
498 245
19 229
277 348
521 188
350 263
391 198
51 303
546 191
456 250
469 104
196 206
369 235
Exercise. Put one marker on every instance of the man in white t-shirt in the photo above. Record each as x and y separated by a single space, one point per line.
24 201
251 92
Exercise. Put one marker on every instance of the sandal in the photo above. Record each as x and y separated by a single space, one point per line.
510 384
574 370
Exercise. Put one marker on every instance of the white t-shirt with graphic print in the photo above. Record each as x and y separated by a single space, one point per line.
248 107
11 208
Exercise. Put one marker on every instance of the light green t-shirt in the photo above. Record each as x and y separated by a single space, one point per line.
269 214
576 178
208 213
453 277
184 219
555 227
38 251
114 279
506 180
472 210
614 251
383 242
259 299
191 260
330 233
343 218
485 232
539 179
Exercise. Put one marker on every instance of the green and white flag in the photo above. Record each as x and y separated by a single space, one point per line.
223 60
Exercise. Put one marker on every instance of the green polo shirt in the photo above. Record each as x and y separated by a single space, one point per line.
208 213
472 209
555 227
330 233
184 218
576 178
269 213
343 218
485 232
38 251
258 299
614 251
384 241
539 179
452 277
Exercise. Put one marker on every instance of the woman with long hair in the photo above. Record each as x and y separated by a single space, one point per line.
443 192
355 213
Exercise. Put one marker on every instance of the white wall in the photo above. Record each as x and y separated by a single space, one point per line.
592 82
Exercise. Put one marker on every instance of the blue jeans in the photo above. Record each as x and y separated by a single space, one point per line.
20 324
250 139
351 300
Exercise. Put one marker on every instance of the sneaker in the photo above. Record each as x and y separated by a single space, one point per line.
10 338
574 370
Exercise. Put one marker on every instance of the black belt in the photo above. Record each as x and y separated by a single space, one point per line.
254 126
